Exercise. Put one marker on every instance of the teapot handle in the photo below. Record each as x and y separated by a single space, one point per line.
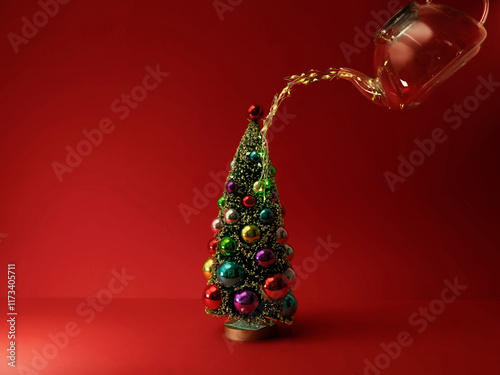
485 10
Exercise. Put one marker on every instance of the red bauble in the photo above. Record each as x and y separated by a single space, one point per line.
212 297
249 201
255 112
212 246
276 287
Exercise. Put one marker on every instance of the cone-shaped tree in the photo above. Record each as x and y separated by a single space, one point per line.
249 275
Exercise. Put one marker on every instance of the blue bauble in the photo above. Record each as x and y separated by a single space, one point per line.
289 306
230 273
266 216
255 157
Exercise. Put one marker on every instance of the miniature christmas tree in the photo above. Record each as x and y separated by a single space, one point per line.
249 276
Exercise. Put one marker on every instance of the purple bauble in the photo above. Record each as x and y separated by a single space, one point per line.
246 302
265 257
273 196
231 187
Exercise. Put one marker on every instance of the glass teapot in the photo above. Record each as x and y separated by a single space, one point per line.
415 51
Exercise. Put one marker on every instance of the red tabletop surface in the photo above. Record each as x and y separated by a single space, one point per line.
162 336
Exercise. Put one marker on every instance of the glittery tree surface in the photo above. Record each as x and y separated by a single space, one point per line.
252 231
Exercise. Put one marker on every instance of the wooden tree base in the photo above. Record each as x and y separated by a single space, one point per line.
237 332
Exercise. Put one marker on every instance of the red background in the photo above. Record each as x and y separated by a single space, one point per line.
121 206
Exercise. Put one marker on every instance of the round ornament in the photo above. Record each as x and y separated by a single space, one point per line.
227 246
246 302
273 196
266 216
281 235
289 252
250 233
217 225
276 286
268 183
290 275
265 257
255 112
272 170
231 187
289 306
212 246
231 216
259 187
212 297
230 273
221 202
249 201
255 157
207 267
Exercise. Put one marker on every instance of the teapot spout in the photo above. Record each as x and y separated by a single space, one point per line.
371 88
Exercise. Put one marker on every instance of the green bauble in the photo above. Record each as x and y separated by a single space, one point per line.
289 306
250 233
221 202
268 184
227 246
272 170
259 187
